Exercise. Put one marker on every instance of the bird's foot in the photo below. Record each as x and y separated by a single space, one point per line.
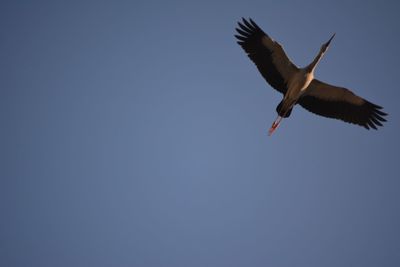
275 125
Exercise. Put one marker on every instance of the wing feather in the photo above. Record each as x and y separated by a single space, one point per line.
340 103
268 55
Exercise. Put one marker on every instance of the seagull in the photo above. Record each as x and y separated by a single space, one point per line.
299 86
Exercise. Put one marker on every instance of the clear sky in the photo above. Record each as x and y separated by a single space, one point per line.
134 133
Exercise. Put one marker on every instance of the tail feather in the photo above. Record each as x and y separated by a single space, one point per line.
282 112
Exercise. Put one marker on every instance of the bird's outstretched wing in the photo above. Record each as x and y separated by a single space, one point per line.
340 103
268 55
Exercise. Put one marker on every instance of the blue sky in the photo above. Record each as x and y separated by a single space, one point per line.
134 133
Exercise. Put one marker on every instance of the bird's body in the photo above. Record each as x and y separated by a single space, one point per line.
298 85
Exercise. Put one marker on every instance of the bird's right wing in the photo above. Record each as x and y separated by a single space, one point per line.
268 55
340 103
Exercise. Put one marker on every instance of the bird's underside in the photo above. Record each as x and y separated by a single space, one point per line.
317 97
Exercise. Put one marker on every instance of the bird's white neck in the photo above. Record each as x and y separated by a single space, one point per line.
310 68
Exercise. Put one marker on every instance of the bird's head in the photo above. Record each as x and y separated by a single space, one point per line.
325 46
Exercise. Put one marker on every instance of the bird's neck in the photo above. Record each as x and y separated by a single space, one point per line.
310 68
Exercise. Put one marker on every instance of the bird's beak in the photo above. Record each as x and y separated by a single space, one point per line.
327 44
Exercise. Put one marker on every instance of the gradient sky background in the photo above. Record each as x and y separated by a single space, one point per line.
134 133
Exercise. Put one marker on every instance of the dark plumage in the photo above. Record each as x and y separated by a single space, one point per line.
250 39
365 114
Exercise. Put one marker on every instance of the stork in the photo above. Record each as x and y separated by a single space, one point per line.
298 85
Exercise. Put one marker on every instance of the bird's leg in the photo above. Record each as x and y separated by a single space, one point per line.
275 125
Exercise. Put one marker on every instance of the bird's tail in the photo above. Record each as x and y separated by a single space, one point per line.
283 112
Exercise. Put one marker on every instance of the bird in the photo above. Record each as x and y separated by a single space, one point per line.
299 86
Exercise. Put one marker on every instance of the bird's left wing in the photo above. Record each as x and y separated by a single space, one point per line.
340 103
268 55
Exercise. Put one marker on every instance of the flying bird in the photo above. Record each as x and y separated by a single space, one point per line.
298 85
